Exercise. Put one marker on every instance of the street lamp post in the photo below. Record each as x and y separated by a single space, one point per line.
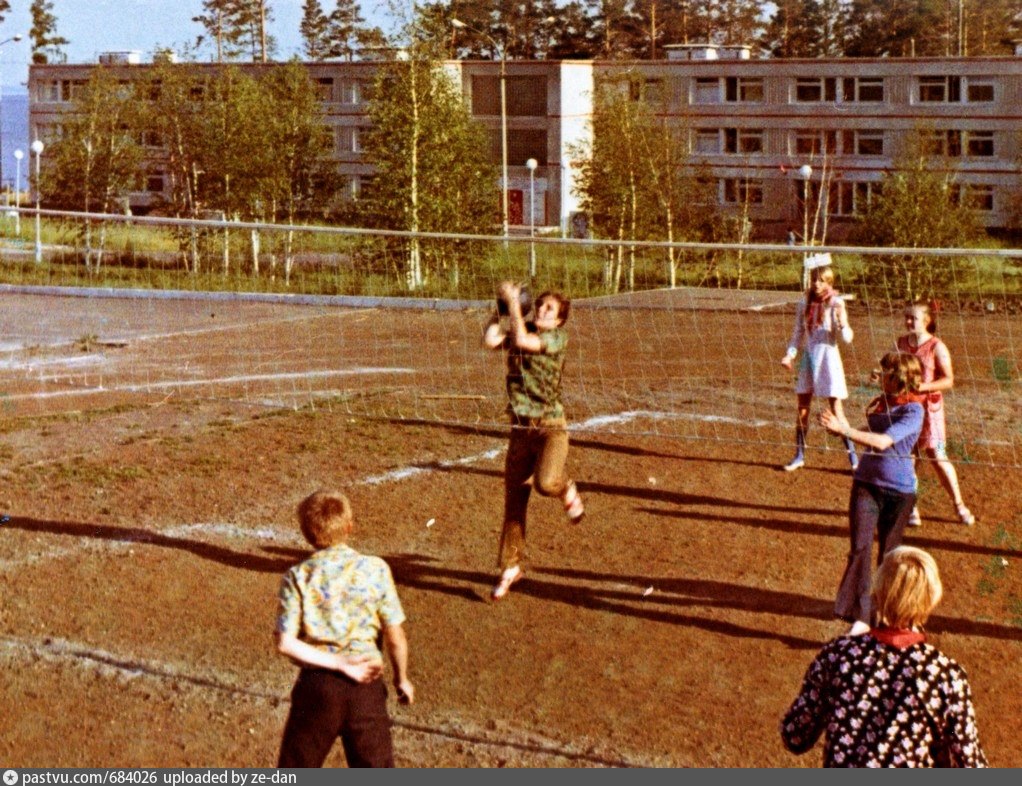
805 172
18 155
531 164
37 149
502 51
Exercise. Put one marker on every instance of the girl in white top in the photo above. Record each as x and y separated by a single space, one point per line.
820 320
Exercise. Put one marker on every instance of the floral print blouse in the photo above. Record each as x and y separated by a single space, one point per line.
881 705
339 600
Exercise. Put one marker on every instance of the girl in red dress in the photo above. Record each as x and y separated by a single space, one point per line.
938 376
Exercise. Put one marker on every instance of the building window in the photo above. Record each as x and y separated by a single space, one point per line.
815 142
526 96
946 143
743 89
706 91
526 143
707 140
863 143
70 89
739 191
743 140
980 90
851 198
940 89
814 89
980 143
364 186
325 88
865 89
651 90
350 91
979 197
154 183
48 91
348 140
151 138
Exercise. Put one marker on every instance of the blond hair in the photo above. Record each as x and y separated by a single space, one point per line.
906 588
325 518
905 369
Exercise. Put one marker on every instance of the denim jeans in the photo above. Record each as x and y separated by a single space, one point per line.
872 511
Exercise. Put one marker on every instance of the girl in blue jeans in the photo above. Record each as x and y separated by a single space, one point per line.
884 485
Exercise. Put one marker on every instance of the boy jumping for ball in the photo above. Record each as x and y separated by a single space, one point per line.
538 445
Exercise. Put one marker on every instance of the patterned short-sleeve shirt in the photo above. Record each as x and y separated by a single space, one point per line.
534 378
339 600
879 705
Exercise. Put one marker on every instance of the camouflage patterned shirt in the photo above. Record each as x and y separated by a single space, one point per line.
534 378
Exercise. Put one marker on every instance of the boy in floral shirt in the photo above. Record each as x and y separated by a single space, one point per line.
334 609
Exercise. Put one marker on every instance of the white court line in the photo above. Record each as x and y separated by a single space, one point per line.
83 360
189 383
220 328
624 417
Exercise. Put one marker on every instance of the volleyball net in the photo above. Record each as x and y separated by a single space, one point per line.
672 340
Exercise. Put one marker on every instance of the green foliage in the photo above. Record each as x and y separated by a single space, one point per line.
46 44
637 180
432 167
237 26
919 206
1003 370
97 159
315 30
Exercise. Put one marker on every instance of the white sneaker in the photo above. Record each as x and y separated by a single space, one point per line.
914 519
573 506
507 578
965 516
796 463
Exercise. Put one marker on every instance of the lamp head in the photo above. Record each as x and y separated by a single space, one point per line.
455 22
19 154
38 147
805 171
532 163
17 37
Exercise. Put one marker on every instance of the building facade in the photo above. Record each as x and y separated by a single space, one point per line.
777 135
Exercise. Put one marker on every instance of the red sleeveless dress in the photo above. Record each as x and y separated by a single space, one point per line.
934 433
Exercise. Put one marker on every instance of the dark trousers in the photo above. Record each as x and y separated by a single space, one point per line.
326 705
872 510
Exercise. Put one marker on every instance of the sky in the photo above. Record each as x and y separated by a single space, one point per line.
95 26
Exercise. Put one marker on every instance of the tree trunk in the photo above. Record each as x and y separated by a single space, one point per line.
255 251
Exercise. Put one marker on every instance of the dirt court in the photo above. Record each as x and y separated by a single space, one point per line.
153 452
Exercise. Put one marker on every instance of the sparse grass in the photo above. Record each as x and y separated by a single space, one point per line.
88 342
96 475
149 257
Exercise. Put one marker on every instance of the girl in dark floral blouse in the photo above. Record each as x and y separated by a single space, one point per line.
887 698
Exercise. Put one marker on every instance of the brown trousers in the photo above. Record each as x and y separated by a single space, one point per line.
538 450
326 705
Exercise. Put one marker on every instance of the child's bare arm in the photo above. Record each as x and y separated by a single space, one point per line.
361 668
397 648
